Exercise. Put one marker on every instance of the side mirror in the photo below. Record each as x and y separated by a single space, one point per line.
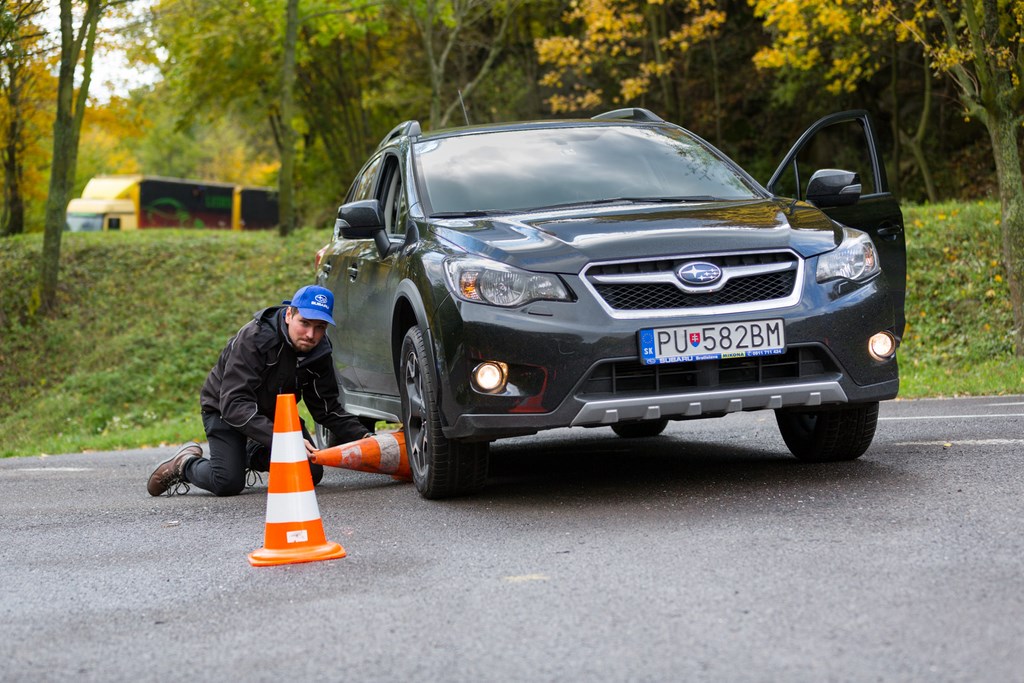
364 220
833 187
339 226
359 220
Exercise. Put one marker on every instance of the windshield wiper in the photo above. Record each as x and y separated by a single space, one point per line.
664 200
630 200
475 213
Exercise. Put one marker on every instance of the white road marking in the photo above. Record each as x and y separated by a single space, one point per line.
965 442
47 469
526 577
951 417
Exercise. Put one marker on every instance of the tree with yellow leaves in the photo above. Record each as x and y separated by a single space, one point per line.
623 50
22 68
978 43
842 45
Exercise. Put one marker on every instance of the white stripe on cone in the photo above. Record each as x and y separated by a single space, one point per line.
390 452
288 447
292 507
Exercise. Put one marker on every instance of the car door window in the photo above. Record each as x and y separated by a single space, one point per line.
363 186
391 196
843 145
846 140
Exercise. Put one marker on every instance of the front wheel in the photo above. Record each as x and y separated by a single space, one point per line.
441 468
323 437
829 435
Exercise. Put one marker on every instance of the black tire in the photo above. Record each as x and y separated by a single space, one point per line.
829 435
441 468
323 437
640 430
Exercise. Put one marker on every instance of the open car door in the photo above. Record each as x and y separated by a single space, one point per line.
847 141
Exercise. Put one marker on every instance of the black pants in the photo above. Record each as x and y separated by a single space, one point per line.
231 454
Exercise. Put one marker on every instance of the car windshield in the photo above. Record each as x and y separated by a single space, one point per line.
553 167
84 222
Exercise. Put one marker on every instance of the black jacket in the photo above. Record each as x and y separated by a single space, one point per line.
258 364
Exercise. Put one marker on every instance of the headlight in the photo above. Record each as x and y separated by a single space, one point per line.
854 259
491 282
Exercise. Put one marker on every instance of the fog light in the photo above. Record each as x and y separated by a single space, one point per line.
882 346
490 376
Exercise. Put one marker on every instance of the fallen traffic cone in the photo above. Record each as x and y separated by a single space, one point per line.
381 454
294 532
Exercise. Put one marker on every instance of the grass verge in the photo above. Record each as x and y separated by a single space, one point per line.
144 314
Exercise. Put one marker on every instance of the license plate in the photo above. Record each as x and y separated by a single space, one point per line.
710 342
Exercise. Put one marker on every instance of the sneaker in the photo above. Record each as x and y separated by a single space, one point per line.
168 477
257 461
252 477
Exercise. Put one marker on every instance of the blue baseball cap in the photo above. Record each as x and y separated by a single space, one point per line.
314 303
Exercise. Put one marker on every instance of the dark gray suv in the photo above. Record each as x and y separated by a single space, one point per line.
499 280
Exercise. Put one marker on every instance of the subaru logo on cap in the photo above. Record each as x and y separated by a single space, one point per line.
699 273
313 302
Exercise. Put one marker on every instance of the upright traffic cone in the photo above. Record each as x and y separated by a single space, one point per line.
382 453
294 531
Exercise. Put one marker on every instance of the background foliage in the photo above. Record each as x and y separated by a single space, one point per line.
748 75
111 368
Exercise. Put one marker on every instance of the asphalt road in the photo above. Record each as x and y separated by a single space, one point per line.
705 554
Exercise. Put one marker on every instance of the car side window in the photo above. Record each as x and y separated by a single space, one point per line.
842 145
392 198
362 188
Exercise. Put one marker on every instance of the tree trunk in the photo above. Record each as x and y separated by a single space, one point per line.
916 143
716 89
656 20
286 176
60 185
14 203
497 45
917 150
897 126
17 55
65 142
1003 126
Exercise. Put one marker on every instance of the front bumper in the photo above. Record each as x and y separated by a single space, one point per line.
573 365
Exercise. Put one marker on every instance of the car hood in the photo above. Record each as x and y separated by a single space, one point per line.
565 241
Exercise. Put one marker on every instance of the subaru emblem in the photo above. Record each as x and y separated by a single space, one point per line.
699 273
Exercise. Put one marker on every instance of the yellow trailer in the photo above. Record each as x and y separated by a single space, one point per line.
107 203
129 202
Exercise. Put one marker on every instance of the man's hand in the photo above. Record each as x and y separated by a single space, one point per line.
310 449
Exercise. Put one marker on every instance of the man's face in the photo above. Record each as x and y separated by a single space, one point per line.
304 334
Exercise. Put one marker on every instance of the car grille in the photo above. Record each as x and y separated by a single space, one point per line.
640 297
653 286
625 378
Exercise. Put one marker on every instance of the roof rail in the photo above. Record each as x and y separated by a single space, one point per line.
631 114
410 128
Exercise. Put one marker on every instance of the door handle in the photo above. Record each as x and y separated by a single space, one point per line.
353 272
888 229
326 268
